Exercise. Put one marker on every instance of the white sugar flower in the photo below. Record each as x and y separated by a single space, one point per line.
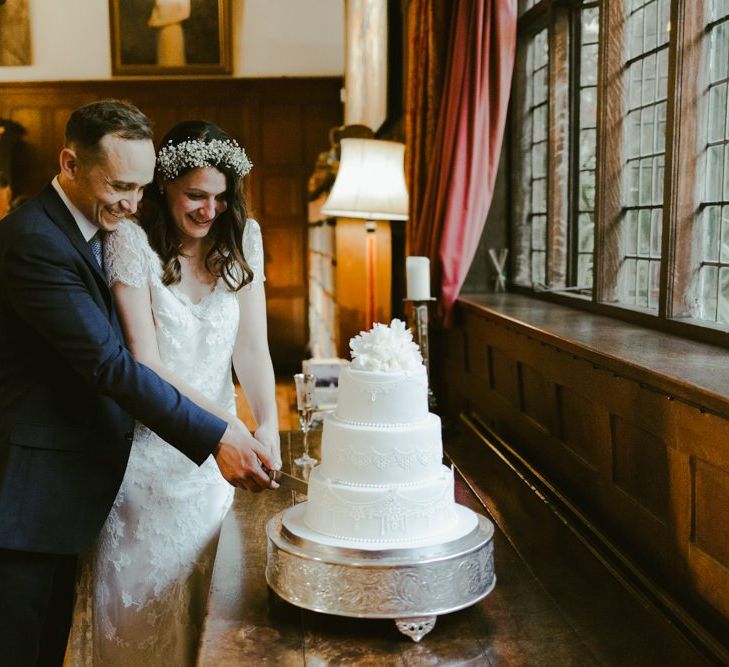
384 348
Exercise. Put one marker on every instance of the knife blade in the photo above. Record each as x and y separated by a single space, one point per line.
286 481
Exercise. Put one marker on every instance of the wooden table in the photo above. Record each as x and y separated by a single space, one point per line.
247 624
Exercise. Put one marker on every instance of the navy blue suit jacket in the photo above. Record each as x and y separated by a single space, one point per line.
69 388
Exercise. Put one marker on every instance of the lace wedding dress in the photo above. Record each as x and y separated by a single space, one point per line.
142 591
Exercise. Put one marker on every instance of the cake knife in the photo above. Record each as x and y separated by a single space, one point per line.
286 481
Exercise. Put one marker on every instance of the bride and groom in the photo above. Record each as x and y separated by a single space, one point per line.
117 336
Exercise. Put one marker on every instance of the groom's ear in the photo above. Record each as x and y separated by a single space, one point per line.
68 160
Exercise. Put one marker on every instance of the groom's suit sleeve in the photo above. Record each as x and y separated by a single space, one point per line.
44 287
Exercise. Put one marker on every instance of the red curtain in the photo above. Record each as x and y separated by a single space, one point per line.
428 33
467 147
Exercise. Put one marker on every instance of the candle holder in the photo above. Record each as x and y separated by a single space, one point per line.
419 318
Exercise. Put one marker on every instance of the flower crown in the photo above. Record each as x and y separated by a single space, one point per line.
173 158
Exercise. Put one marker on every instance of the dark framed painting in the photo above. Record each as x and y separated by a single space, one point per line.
161 37
14 33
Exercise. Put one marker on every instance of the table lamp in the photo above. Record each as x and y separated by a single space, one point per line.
370 184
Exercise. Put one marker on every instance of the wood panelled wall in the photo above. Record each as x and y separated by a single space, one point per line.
283 125
648 466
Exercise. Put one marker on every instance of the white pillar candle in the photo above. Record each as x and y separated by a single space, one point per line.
417 270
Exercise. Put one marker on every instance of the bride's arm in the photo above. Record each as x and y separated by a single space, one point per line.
253 366
135 312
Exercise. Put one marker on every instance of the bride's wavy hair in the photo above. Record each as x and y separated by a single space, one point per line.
225 259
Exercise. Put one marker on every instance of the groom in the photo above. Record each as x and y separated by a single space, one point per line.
70 390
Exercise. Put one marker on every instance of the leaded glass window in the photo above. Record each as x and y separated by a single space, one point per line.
711 288
531 204
584 235
644 140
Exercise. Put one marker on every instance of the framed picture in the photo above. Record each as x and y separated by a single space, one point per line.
161 37
14 33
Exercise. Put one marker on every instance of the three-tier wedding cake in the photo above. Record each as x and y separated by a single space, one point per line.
382 483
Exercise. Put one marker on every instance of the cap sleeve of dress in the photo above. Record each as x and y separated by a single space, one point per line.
127 255
253 249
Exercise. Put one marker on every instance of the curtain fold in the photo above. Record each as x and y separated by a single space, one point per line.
429 28
447 223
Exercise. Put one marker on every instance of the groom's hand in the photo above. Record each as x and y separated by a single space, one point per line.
239 456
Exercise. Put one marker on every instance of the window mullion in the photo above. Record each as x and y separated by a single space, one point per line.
574 152
559 147
608 193
681 145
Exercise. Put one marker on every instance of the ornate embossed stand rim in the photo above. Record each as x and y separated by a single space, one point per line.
411 586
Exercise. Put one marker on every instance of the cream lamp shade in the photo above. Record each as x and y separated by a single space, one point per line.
370 183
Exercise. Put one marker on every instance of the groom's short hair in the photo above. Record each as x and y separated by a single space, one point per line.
89 124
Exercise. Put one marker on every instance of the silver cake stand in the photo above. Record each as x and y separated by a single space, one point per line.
412 586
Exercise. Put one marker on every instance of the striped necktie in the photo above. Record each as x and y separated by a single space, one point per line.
97 247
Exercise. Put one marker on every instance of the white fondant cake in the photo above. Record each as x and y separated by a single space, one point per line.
381 482
378 397
381 454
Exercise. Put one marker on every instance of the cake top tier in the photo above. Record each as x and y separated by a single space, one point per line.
385 349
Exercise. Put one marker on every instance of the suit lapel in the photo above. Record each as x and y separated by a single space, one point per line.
61 216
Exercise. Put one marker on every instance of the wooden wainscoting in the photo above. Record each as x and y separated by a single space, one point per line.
632 426
283 125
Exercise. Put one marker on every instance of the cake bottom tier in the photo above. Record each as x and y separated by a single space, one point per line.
465 523
406 513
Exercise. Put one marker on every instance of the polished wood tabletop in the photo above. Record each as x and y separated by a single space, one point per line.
248 624
519 623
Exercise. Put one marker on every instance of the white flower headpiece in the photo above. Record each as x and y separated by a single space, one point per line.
384 348
174 158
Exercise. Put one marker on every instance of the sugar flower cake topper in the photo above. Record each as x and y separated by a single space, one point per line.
174 158
384 348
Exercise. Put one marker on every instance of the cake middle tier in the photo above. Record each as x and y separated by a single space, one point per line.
397 513
381 454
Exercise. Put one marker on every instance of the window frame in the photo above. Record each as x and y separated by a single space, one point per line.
679 178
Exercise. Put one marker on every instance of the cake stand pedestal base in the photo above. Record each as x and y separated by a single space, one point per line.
416 628
413 586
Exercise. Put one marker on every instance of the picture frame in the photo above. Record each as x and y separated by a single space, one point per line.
170 37
15 33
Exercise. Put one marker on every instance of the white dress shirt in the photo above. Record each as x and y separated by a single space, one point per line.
86 227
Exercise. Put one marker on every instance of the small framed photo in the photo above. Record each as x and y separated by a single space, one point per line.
161 37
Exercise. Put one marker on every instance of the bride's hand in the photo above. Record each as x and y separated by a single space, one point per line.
268 435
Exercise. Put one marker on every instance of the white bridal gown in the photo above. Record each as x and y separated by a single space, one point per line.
142 592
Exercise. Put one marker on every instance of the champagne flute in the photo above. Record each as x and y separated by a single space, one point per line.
305 383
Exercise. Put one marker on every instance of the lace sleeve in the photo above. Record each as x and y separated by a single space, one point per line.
126 255
253 249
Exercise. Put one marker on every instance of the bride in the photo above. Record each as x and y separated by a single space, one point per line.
188 283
